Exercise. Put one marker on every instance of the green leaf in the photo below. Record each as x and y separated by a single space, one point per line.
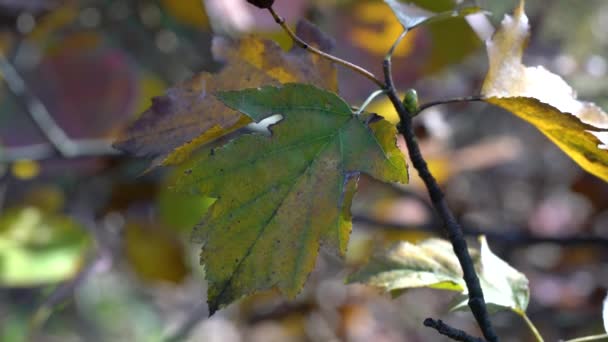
39 248
428 264
544 99
410 15
281 197
432 263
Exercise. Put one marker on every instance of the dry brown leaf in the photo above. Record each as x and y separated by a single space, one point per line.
189 115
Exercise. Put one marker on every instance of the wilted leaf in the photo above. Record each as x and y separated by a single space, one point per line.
428 264
281 197
39 248
432 263
189 116
410 15
544 99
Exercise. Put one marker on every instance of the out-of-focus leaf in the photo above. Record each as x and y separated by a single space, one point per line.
154 253
189 12
544 99
503 286
25 169
428 264
605 313
39 248
432 263
364 35
410 15
281 197
189 116
178 210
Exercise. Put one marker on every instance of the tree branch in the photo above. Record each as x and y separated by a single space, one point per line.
453 333
453 229
279 20
45 151
510 236
424 106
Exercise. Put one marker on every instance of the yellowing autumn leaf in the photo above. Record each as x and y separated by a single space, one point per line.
544 99
189 116
280 197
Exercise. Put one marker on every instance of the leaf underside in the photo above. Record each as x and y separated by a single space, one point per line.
544 99
281 197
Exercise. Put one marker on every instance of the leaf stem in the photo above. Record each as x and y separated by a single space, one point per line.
589 338
532 327
369 100
281 21
454 231
425 106
390 53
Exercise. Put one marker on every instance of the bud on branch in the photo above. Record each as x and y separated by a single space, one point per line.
261 3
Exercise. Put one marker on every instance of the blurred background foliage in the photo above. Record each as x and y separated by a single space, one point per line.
91 249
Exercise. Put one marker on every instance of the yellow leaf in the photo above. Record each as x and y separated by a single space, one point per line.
379 41
544 99
25 169
190 12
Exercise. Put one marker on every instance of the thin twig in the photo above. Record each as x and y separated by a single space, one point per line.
510 236
36 109
590 338
369 100
45 151
453 229
533 328
390 53
281 21
424 106
60 143
182 332
453 333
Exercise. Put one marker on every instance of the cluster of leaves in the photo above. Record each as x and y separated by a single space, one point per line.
280 197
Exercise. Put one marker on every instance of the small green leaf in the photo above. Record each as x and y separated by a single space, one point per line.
410 15
39 248
280 197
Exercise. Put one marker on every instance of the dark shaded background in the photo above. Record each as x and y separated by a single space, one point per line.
92 250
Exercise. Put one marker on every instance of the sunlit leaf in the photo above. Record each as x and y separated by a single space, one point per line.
39 248
428 264
605 313
281 197
544 99
189 116
432 263
410 15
